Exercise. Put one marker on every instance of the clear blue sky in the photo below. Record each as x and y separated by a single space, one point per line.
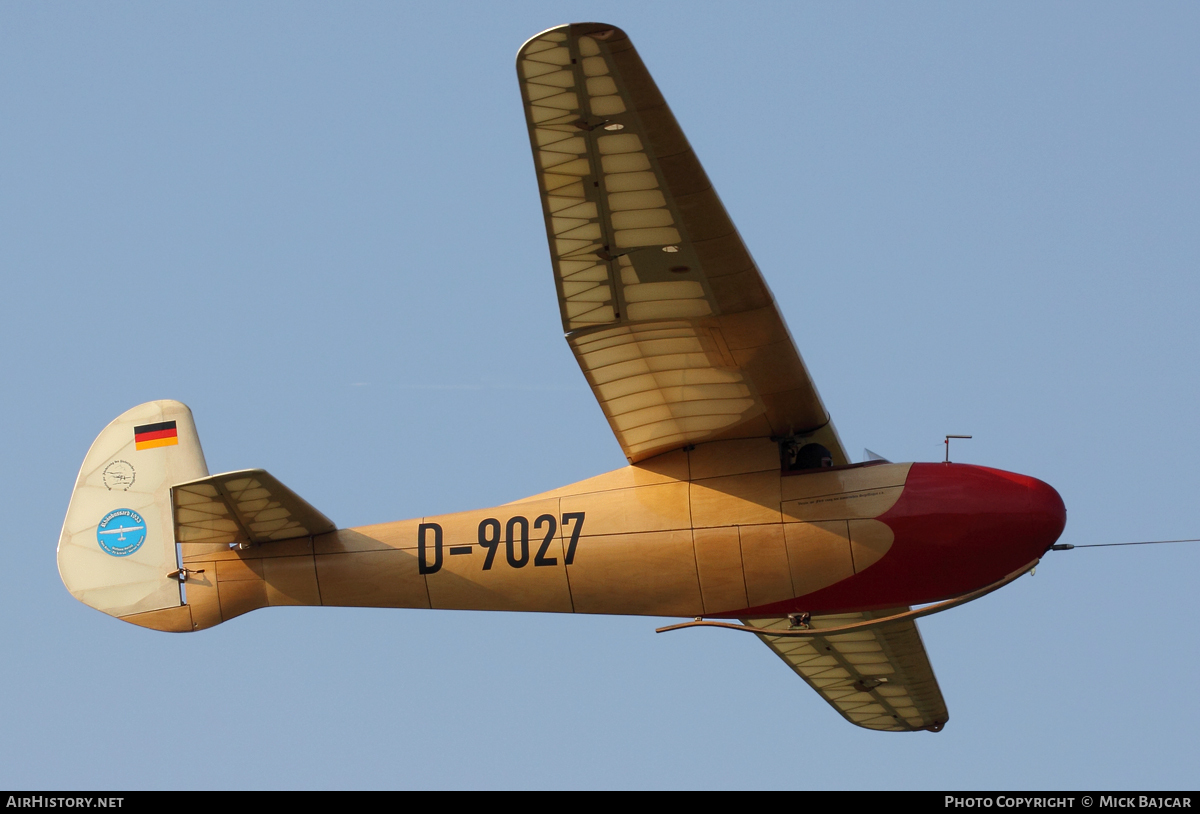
318 226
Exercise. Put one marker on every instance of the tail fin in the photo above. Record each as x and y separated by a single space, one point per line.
117 548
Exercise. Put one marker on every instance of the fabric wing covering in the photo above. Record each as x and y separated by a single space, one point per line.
243 508
878 678
673 325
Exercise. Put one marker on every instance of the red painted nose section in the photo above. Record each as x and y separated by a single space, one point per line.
961 527
957 528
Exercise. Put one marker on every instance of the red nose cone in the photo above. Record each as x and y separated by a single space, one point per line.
1047 505
971 525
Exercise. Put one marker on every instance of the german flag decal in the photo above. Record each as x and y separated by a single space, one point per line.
149 436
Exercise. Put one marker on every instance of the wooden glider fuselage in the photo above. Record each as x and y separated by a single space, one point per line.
719 530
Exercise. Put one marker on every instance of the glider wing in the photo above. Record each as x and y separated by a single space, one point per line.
879 678
666 312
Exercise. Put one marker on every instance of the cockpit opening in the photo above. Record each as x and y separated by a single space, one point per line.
807 456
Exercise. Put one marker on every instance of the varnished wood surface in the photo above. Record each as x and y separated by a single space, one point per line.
709 530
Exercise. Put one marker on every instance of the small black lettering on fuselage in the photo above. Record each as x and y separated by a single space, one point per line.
514 534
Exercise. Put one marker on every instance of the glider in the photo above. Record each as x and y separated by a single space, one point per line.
738 503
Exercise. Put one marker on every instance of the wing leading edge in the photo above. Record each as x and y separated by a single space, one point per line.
879 678
663 307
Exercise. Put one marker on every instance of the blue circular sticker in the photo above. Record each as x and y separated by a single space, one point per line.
121 532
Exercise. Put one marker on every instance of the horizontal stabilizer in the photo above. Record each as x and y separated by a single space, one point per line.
243 508
879 678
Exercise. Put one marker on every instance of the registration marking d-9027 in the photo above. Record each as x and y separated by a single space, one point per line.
515 536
